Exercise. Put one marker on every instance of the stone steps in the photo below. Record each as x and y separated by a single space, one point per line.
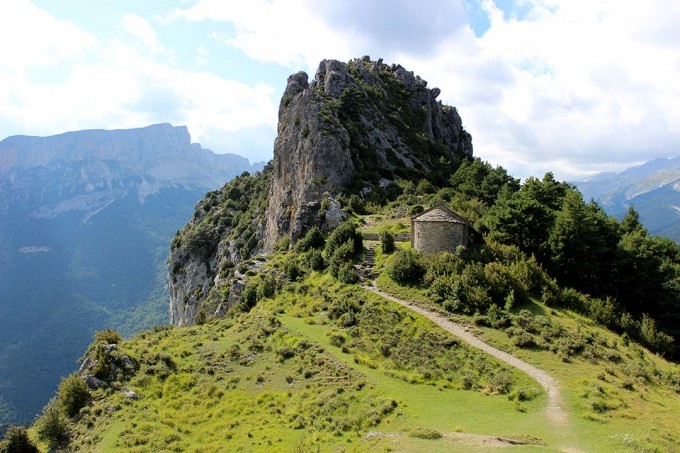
365 269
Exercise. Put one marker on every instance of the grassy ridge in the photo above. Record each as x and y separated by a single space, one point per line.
295 373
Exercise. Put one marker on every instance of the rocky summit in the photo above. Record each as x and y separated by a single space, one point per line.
354 130
356 124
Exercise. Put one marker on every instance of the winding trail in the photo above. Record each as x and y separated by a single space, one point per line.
555 411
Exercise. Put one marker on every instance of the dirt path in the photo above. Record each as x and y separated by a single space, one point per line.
554 412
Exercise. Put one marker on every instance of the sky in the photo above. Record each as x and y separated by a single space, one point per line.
575 87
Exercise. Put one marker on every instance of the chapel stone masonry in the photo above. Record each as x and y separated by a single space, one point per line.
438 229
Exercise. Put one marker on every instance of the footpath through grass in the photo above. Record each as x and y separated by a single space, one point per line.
616 393
440 409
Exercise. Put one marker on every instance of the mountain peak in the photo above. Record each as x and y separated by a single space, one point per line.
355 126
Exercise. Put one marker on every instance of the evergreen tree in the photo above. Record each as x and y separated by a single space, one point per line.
583 245
17 441
519 219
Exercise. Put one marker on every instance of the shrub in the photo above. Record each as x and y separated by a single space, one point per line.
502 381
425 187
386 241
248 297
52 426
107 336
603 311
17 441
443 265
340 307
201 317
425 433
406 267
283 244
356 205
344 233
653 338
497 318
200 240
73 395
315 260
522 339
347 273
342 255
266 287
292 270
312 240
501 282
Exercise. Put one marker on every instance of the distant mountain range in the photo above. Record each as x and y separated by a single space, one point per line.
652 188
86 219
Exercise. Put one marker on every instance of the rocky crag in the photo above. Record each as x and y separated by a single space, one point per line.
354 125
355 129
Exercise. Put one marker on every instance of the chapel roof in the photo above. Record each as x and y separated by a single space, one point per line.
439 213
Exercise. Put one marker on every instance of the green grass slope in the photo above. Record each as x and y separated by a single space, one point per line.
325 366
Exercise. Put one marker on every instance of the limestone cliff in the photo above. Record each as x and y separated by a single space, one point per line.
355 129
355 125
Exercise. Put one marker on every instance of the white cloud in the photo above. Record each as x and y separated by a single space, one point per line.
143 31
30 37
202 55
287 32
572 87
576 87
119 86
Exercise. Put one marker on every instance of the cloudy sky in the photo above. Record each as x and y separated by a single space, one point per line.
572 86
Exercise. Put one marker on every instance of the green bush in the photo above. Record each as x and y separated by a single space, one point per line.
386 241
17 441
339 307
283 244
342 255
107 336
52 426
292 270
200 239
501 282
347 273
425 433
356 205
73 395
312 240
406 266
345 233
248 297
266 287
425 187
653 338
315 260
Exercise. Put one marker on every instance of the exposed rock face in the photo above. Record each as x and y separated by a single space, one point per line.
355 123
356 128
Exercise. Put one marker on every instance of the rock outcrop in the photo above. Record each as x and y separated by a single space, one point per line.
354 130
354 124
